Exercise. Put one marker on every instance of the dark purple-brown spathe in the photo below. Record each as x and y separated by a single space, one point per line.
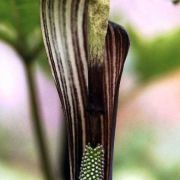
88 88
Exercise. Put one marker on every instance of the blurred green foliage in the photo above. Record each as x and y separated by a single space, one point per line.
21 17
12 172
156 56
20 28
135 151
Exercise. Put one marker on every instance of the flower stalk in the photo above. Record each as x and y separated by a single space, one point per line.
86 53
37 125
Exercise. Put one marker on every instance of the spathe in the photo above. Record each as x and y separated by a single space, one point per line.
87 85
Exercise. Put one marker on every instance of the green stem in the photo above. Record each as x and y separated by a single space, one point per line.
37 124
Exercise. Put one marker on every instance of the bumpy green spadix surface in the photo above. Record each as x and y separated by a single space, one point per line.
98 14
92 164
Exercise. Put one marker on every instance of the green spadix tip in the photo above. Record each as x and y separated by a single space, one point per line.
98 14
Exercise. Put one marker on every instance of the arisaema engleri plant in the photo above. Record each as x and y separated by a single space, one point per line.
79 39
86 54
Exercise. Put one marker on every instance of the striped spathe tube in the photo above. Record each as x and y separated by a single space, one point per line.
86 58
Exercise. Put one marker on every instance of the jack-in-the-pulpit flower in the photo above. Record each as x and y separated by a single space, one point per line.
86 54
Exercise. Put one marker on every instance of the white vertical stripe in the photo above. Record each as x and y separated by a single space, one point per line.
74 68
60 43
81 38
